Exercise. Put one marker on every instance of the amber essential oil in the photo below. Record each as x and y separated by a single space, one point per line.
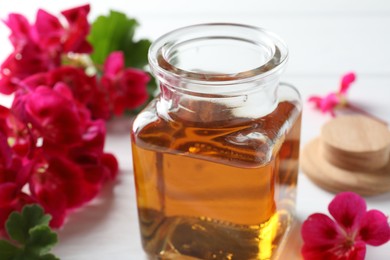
217 191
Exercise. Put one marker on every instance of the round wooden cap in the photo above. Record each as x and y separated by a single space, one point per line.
356 134
352 154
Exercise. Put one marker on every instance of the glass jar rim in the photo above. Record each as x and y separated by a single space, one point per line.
165 70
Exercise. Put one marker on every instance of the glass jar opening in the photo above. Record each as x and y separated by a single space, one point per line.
214 55
217 53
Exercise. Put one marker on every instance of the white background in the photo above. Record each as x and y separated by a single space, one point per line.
325 38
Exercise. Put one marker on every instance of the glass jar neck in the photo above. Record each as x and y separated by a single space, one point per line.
255 102
214 72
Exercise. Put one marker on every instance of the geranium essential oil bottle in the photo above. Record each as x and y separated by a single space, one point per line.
216 152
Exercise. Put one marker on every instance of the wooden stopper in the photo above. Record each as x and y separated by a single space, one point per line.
356 143
352 154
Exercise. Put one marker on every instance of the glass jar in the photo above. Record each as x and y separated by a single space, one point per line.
216 152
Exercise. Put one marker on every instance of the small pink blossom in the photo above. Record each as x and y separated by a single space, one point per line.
337 99
126 87
346 82
58 184
344 237
53 113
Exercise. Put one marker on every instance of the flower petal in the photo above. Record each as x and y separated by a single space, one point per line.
36 80
133 92
329 102
5 154
49 30
346 82
375 229
348 209
73 14
82 86
316 100
54 115
8 192
320 231
320 235
54 204
310 253
114 64
20 64
78 30
20 29
357 251
109 161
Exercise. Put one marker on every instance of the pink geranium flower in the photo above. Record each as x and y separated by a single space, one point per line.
53 112
345 237
62 180
58 184
126 87
65 165
337 99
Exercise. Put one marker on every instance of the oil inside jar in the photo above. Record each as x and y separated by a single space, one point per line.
217 191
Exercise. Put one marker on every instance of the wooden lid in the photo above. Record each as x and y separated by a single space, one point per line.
352 154
355 142
356 133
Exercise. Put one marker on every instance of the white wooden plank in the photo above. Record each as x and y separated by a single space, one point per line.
325 38
332 7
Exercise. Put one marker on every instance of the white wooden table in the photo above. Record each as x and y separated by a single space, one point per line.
325 38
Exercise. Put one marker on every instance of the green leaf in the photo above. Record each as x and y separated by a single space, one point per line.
115 32
49 257
8 251
29 228
108 33
18 225
34 256
136 54
15 227
41 239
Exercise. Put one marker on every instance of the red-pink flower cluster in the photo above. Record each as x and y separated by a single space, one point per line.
345 237
50 144
52 137
39 47
116 81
